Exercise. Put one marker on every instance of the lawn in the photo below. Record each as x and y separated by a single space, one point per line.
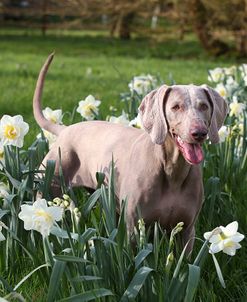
92 63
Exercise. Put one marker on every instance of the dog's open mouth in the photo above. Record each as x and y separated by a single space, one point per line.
192 153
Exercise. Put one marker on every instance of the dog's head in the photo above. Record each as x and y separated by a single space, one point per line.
188 113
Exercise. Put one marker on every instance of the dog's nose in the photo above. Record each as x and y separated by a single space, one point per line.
199 135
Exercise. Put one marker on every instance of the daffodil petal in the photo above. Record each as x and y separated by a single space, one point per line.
56 212
230 229
237 237
216 247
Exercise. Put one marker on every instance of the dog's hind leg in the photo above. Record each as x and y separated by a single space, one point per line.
66 165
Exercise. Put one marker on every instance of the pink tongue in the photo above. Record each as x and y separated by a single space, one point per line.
192 152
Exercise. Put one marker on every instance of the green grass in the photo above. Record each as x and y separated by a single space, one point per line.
113 63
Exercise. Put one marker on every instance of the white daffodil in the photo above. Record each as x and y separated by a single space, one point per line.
223 133
4 190
230 71
231 85
136 122
2 161
216 75
243 69
142 84
12 130
122 119
236 108
226 239
40 217
245 80
88 108
54 116
221 89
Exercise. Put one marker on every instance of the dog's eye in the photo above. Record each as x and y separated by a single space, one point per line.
175 107
204 107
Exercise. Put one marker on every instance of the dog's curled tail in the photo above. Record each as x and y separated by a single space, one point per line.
37 110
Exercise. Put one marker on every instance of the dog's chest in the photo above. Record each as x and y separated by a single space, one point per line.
172 207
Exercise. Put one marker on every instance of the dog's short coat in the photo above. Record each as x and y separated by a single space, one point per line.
157 169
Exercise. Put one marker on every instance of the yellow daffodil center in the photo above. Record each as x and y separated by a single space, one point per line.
10 132
229 244
235 108
53 119
41 213
223 236
89 109
222 92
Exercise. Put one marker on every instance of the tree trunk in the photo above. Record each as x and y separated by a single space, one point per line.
241 42
125 23
202 30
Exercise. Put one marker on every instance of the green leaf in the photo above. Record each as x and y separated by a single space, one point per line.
3 213
89 295
176 286
193 280
219 273
122 229
136 283
178 266
91 202
141 256
54 284
201 256
61 233
68 258
87 278
87 235
28 275
49 173
6 284
100 178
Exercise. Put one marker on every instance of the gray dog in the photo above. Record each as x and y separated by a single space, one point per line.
157 169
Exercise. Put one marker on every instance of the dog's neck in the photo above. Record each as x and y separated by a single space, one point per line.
176 168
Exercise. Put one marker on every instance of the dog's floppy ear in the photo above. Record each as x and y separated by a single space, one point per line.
152 114
220 110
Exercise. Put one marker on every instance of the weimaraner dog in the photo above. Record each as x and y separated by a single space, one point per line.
157 169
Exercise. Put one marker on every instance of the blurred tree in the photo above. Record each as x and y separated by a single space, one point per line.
213 21
122 13
229 16
180 12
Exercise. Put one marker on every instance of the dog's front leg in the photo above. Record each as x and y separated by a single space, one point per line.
188 237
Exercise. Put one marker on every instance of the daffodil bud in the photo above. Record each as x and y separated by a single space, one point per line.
178 228
57 201
66 197
66 203
141 226
78 214
169 261
76 210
